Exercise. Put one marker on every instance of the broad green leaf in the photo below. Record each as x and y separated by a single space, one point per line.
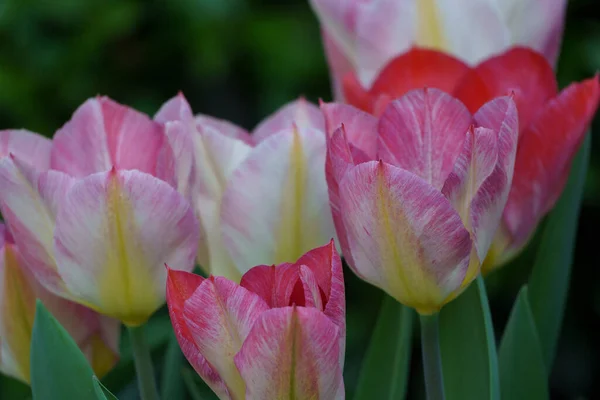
468 346
102 393
13 389
549 281
521 365
384 371
172 382
58 368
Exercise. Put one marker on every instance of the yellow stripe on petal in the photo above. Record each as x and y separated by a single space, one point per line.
429 28
18 313
126 289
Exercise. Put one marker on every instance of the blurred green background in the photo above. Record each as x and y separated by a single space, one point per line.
240 60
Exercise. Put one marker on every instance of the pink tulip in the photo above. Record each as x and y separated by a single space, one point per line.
280 332
95 223
97 336
362 36
417 194
260 198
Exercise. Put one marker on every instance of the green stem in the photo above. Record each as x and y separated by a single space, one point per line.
432 357
143 364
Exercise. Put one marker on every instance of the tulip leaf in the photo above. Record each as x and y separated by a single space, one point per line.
521 364
13 389
468 346
172 381
102 393
385 368
549 281
59 369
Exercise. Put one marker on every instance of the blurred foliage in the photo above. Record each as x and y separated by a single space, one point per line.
240 60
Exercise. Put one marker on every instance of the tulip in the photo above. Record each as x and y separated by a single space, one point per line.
96 336
260 198
362 36
418 193
552 124
279 334
95 224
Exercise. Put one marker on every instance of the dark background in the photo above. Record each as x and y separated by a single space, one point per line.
240 60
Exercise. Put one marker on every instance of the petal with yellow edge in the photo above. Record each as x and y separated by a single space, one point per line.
404 235
114 232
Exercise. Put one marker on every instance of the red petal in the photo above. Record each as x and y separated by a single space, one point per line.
521 71
274 284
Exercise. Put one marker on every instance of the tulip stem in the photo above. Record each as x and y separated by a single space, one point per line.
432 357
143 363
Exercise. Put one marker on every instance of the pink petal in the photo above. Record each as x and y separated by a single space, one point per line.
29 147
175 109
299 113
103 134
291 350
404 235
224 127
274 284
29 202
275 206
181 286
360 127
423 132
219 316
113 235
312 292
546 149
479 184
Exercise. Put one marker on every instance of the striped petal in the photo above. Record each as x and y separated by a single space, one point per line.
275 206
292 351
278 286
423 132
519 72
415 69
29 147
479 184
219 316
546 149
97 336
30 202
113 234
103 134
300 114
404 235
360 127
181 286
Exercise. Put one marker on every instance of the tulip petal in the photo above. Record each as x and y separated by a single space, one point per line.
312 292
181 286
479 184
175 109
275 206
220 315
404 235
415 69
519 72
29 202
360 127
423 132
537 24
546 149
224 127
114 234
103 134
216 158
276 285
29 147
300 114
291 351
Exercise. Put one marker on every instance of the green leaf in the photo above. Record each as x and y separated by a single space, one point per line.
522 370
549 281
468 346
13 389
197 389
172 381
385 367
58 368
102 393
